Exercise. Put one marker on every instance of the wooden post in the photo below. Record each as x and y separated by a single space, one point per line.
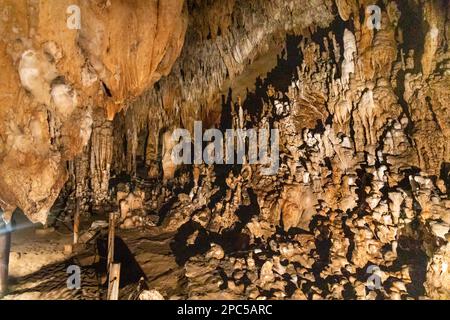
76 221
111 236
5 247
114 282
113 268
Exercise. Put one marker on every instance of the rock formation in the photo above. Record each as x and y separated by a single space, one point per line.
358 208
56 72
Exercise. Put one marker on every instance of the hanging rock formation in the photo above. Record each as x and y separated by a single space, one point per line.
60 60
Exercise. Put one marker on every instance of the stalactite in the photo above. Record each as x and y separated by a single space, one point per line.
82 176
132 144
204 66
346 151
157 123
101 150
115 52
119 164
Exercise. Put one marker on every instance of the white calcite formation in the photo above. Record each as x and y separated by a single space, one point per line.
359 199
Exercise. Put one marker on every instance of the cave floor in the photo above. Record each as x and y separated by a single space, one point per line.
39 265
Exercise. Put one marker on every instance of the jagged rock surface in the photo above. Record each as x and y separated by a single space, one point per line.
54 76
363 184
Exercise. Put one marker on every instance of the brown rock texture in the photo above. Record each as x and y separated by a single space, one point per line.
55 73
361 190
224 39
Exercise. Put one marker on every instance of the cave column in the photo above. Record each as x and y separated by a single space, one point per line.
101 159
152 158
132 146
5 246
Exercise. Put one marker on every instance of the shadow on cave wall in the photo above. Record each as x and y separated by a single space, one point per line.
280 77
231 240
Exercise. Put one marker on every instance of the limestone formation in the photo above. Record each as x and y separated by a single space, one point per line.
358 205
52 69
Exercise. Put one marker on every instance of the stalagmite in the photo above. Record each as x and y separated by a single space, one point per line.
168 165
36 73
348 65
366 112
101 157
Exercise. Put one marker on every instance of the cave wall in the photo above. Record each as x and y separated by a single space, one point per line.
54 77
121 49
363 178
220 52
224 39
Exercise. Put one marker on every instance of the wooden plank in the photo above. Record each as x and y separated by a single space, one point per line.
114 282
76 222
5 247
111 237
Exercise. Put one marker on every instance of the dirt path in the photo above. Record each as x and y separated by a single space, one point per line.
38 266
